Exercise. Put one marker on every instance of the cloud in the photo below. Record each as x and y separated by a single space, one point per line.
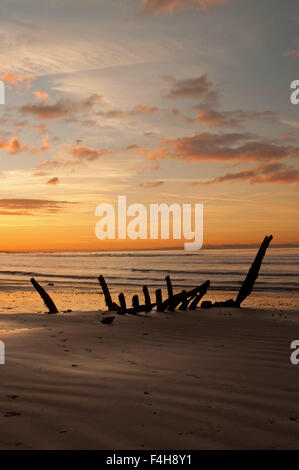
151 184
53 181
199 87
26 206
43 148
64 108
41 95
88 153
142 109
268 173
136 149
206 146
138 110
20 81
155 7
235 118
3 212
294 53
41 128
78 155
13 146
115 113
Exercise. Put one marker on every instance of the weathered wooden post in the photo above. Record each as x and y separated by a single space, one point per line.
147 299
46 298
111 305
159 300
122 302
184 303
253 272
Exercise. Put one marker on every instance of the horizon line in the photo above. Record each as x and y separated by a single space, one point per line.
206 247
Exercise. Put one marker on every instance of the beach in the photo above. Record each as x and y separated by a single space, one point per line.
204 379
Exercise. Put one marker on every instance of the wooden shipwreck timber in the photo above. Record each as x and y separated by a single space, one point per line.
184 300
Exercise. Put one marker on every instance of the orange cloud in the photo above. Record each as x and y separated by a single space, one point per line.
53 181
13 146
115 113
41 95
26 206
151 184
269 173
88 153
294 53
17 80
142 109
136 149
211 117
43 148
41 128
78 154
139 109
154 7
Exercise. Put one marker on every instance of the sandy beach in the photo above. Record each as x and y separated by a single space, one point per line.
216 379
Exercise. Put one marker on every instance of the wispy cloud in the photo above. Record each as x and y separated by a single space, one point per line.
293 53
235 118
198 87
64 108
151 184
27 206
210 147
77 155
269 173
155 7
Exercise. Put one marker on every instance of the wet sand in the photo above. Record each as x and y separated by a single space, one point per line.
216 379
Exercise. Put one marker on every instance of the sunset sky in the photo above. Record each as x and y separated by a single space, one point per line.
176 101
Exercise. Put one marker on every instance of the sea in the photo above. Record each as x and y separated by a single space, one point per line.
71 278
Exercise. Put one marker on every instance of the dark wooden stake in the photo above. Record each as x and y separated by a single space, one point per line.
253 272
135 301
46 298
159 300
199 296
171 306
147 298
122 302
111 305
169 286
184 303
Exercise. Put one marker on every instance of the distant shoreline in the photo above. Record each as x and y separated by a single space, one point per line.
206 247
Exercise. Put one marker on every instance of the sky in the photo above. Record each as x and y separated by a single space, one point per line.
174 101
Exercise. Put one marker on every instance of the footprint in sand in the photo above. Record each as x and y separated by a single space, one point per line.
11 414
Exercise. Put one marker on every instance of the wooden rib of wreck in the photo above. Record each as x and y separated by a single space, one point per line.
183 299
45 296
